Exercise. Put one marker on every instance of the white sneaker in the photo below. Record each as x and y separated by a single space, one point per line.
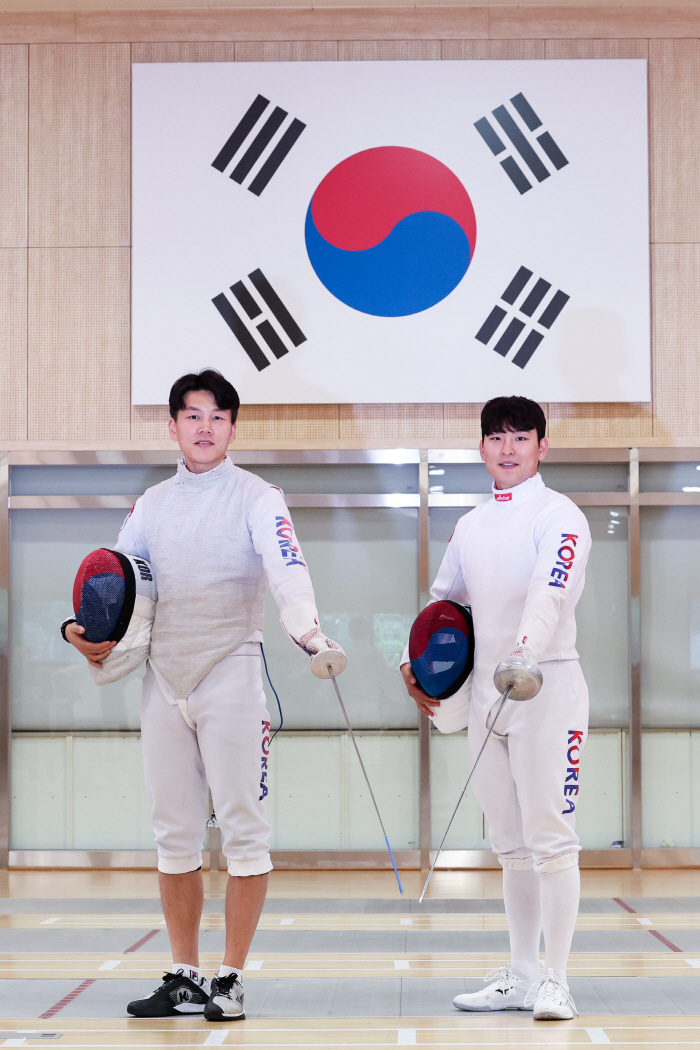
550 999
506 992
226 1000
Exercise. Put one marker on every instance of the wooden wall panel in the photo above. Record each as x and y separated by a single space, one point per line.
13 155
214 52
301 23
79 145
492 49
288 423
269 423
286 51
596 49
149 422
674 98
391 422
78 319
462 421
388 50
13 345
676 339
600 422
34 27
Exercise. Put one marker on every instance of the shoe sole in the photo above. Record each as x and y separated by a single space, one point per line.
551 1017
223 1017
170 1013
489 1009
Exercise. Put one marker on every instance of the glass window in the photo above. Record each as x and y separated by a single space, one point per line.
602 617
133 479
51 683
563 477
670 555
363 564
669 477
319 800
330 478
671 789
118 480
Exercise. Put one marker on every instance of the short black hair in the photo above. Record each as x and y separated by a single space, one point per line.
512 413
210 380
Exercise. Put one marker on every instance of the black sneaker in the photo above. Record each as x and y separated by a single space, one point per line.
226 1000
177 995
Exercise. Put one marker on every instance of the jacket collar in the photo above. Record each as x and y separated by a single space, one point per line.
524 490
209 477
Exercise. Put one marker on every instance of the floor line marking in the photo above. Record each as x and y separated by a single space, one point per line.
216 1038
401 964
66 999
597 1035
644 922
14 1042
406 922
286 922
254 964
111 964
665 940
407 1037
135 947
695 963
654 933
47 922
623 905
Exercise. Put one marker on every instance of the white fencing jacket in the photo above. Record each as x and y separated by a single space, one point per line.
214 540
519 561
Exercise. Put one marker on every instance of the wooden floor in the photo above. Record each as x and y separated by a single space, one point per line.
56 921
444 884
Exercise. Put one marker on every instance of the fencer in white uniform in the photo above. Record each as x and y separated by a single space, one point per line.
519 561
215 541
216 536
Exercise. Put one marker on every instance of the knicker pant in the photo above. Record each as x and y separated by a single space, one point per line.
527 781
227 750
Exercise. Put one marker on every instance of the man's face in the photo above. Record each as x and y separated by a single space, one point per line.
513 456
203 431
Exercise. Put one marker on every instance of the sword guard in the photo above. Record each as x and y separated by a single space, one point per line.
319 663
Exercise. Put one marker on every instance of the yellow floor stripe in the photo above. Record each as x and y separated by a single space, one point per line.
148 965
475 922
503 1030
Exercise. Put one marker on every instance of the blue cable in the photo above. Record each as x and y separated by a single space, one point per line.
279 705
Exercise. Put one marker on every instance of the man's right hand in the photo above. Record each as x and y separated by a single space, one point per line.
94 652
427 705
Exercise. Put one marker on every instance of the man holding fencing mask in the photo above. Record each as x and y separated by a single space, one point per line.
518 561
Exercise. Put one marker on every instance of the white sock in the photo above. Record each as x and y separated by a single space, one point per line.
521 896
560 893
193 972
226 971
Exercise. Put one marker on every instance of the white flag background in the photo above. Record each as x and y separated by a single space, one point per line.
581 229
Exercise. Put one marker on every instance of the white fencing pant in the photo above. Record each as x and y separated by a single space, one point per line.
527 780
228 751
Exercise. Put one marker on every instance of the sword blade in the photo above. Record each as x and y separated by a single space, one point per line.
504 697
364 772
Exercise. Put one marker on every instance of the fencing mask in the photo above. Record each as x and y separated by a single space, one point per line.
441 648
114 599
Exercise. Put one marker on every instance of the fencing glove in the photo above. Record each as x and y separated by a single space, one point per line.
300 622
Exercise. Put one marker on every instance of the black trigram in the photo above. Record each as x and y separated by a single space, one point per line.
533 300
257 147
519 141
242 330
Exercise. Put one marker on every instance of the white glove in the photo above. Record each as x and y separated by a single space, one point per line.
521 672
300 622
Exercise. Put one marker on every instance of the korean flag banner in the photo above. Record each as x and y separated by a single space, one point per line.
392 231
